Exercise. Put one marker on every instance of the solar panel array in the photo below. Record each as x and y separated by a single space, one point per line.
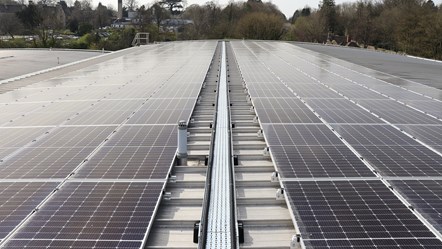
334 164
85 156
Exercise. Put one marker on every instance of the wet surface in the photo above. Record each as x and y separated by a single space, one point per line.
16 62
409 69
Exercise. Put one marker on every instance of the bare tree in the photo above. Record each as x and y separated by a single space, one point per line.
10 24
131 4
174 6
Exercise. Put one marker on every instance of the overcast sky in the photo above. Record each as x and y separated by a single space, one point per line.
288 7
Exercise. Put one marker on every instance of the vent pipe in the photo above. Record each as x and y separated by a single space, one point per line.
182 142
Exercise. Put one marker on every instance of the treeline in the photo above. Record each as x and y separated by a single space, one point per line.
409 26
48 23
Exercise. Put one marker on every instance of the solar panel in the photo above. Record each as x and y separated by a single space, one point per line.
347 116
385 104
48 243
430 106
299 134
163 111
397 113
116 104
103 117
129 163
160 116
350 211
19 199
43 162
374 243
89 136
179 91
407 117
286 116
314 92
332 104
18 107
332 213
403 95
146 135
318 161
41 119
425 196
18 137
256 92
279 103
105 214
360 94
4 152
402 160
430 135
382 135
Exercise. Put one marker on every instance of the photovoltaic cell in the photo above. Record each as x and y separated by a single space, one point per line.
129 163
332 104
360 94
390 151
402 160
430 135
256 92
397 113
89 136
353 210
181 91
430 106
4 152
18 137
382 135
80 244
318 161
160 116
314 92
287 134
406 117
41 119
107 215
347 116
425 196
421 243
43 162
152 136
19 199
283 110
104 117
279 103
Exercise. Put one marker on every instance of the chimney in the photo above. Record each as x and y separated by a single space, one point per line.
120 9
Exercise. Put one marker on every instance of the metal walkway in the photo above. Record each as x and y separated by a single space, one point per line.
219 231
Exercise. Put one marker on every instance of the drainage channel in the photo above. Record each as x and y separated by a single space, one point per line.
182 201
262 210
